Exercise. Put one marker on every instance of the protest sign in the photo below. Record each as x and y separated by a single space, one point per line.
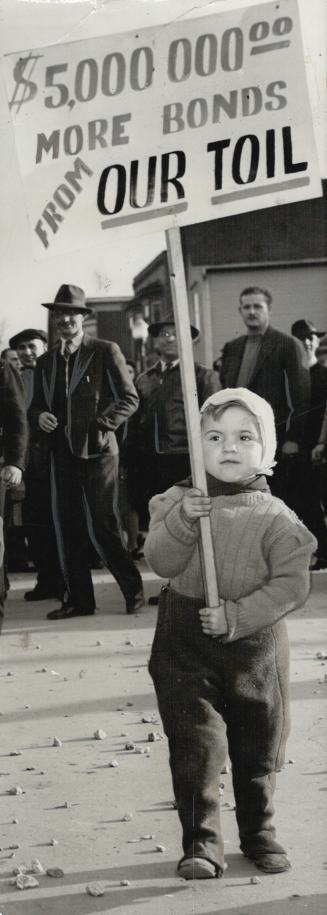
193 120
197 119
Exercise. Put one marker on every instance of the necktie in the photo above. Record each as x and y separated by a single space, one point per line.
167 366
67 351
66 354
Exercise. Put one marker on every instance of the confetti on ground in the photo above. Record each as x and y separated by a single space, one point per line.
26 882
113 764
160 848
55 872
54 842
129 745
95 889
124 883
99 734
153 736
16 753
255 880
225 770
127 817
36 866
56 742
16 790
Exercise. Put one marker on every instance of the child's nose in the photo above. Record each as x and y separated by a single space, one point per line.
230 445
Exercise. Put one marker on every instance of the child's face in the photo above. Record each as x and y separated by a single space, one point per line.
232 446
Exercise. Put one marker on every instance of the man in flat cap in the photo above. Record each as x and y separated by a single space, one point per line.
31 343
83 393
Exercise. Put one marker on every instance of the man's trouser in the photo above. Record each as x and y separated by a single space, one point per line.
38 525
85 507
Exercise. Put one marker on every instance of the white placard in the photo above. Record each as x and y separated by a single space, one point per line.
193 120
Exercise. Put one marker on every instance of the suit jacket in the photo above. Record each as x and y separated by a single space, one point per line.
279 376
159 426
13 417
101 396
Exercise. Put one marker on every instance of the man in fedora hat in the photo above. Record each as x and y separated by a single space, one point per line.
83 393
308 483
157 435
31 343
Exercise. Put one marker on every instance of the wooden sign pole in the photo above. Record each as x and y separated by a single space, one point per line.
191 405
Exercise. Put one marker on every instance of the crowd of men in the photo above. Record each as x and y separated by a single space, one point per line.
102 442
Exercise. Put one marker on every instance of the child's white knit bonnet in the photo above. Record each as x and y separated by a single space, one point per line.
263 414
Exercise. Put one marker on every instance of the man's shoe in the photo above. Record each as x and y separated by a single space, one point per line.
271 863
40 593
66 613
134 605
194 868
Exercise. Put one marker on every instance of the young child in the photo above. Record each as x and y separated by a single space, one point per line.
222 675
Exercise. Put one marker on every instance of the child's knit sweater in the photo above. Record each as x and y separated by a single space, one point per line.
262 554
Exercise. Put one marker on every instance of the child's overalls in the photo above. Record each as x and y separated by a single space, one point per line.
214 699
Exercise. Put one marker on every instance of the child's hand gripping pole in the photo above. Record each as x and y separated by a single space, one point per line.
196 507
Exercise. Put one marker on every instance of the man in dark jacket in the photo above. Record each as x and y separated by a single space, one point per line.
270 363
82 394
157 435
30 344
14 443
308 488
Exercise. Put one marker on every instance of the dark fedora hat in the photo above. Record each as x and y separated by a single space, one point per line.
154 329
303 328
69 296
24 336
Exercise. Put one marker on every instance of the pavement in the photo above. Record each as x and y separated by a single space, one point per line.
103 813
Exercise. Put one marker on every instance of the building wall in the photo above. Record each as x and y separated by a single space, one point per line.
109 322
152 289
